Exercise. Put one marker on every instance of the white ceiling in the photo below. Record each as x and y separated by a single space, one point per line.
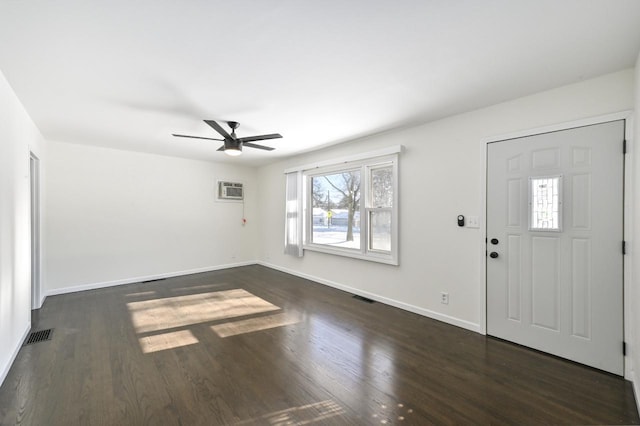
126 74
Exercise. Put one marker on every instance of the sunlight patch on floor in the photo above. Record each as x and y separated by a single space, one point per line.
391 413
171 312
303 415
164 341
233 328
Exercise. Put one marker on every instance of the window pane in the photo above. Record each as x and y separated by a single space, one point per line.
335 200
380 230
381 187
545 204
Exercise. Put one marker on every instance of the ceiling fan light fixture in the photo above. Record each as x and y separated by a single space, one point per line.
233 151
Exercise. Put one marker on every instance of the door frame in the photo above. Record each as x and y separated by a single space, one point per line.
627 116
35 239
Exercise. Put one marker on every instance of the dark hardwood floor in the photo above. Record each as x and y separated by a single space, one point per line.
252 345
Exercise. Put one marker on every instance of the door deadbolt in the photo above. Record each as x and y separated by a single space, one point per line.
494 241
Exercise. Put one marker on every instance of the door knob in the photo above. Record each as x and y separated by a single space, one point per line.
493 255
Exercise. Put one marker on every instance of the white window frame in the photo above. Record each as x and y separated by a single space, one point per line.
365 165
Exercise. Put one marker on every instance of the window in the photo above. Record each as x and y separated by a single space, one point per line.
335 203
545 202
379 210
351 209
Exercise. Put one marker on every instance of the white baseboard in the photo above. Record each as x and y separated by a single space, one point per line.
401 305
93 286
42 297
14 354
636 387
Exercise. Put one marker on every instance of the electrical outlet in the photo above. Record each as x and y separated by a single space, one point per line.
444 298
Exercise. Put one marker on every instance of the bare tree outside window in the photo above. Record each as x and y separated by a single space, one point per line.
317 197
348 185
337 197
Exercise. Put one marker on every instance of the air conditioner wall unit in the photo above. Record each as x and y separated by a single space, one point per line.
230 190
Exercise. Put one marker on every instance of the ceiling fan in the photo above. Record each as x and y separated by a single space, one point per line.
233 144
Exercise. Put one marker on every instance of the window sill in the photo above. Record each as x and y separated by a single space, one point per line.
355 254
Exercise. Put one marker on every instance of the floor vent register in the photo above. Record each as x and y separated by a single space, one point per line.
39 336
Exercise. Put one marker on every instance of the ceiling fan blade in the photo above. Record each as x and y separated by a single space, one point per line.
261 137
218 128
221 148
195 137
253 145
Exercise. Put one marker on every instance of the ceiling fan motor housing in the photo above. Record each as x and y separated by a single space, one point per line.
233 144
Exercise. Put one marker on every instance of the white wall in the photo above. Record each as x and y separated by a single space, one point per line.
18 135
441 173
115 217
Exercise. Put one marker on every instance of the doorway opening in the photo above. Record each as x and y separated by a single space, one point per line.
34 174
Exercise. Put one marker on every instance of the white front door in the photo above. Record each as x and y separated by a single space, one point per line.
554 243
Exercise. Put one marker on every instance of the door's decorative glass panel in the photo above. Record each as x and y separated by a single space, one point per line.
544 203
